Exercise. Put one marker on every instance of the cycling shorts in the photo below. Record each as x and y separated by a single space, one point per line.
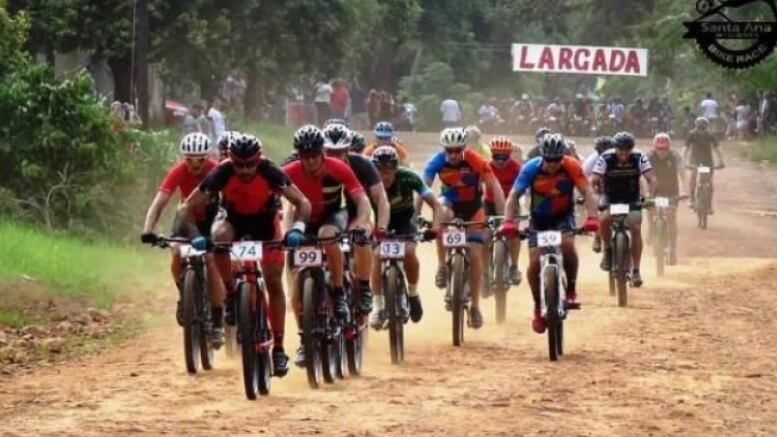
563 224
260 227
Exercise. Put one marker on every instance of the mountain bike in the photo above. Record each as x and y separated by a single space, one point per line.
660 237
620 243
352 348
254 332
703 190
195 304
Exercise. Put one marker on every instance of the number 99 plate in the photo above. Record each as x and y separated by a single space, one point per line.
308 257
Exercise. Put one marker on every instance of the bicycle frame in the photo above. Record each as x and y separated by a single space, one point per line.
551 256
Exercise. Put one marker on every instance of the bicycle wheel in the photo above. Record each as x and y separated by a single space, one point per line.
391 290
501 282
552 319
191 328
354 348
246 327
230 341
341 367
621 263
310 341
457 298
660 246
264 335
205 320
330 357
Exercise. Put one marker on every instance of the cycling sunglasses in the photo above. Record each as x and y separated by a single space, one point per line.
195 159
501 156
553 160
454 151
239 163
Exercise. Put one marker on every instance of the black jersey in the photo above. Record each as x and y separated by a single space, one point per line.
621 179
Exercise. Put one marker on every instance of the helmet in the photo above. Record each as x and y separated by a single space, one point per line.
245 146
702 123
195 143
308 139
662 141
358 143
383 130
226 139
603 144
541 132
501 145
623 141
332 121
453 137
337 137
553 146
384 155
471 132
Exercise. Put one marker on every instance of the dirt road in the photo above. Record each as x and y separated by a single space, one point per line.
695 354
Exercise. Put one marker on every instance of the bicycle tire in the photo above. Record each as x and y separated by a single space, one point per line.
264 359
457 298
621 263
501 281
310 342
205 320
391 289
231 348
246 325
341 366
355 350
552 319
191 328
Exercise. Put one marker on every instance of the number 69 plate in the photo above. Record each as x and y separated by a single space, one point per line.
454 239
392 250
308 257
549 239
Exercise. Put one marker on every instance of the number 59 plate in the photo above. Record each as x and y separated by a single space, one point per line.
549 239
308 257
454 239
392 250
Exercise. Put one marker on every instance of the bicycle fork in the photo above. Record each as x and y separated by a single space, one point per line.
553 261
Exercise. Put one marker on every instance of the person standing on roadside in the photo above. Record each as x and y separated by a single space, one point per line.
338 101
323 94
216 118
195 121
451 113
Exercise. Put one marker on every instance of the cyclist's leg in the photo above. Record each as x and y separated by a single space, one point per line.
635 228
571 264
533 276
672 225
362 271
692 187
441 276
219 265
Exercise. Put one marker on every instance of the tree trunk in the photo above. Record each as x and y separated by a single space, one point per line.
122 74
252 105
141 57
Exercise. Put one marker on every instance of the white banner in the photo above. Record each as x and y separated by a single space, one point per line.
547 58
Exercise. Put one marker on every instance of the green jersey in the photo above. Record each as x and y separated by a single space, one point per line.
400 193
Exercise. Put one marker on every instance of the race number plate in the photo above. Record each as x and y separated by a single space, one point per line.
188 251
392 250
454 239
247 250
662 202
308 257
549 239
345 247
619 209
703 169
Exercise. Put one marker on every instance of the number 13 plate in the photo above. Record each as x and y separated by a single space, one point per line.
392 250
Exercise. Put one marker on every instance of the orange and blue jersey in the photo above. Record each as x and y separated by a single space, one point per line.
552 195
461 183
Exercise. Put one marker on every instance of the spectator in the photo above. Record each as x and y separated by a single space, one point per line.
386 106
373 107
216 119
194 121
770 113
709 109
358 114
338 101
742 112
323 94
409 112
451 113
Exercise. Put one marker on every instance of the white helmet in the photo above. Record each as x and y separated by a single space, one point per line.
453 137
195 143
471 132
337 137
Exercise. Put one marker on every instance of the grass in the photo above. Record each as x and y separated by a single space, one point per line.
12 317
276 139
68 267
763 149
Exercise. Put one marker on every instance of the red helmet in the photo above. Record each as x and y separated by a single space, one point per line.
662 141
501 145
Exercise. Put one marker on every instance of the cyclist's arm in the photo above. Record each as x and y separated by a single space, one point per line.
378 195
597 177
681 172
302 206
155 210
499 196
575 170
197 199
362 210
430 172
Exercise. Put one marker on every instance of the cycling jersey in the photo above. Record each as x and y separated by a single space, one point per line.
400 193
621 180
404 155
324 191
180 178
701 144
462 183
667 173
552 195
505 175
589 163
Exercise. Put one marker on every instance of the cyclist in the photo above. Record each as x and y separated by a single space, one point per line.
323 180
223 142
506 170
601 145
670 178
474 141
535 151
384 136
401 183
337 142
698 147
616 177
552 179
463 172
184 176
358 143
249 185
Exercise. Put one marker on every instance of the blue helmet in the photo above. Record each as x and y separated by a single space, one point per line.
383 130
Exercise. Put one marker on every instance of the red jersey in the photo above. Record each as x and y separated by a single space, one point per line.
258 196
325 192
180 178
505 175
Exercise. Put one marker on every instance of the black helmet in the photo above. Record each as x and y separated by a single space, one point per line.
385 155
623 141
553 146
245 146
358 143
602 144
308 139
541 132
